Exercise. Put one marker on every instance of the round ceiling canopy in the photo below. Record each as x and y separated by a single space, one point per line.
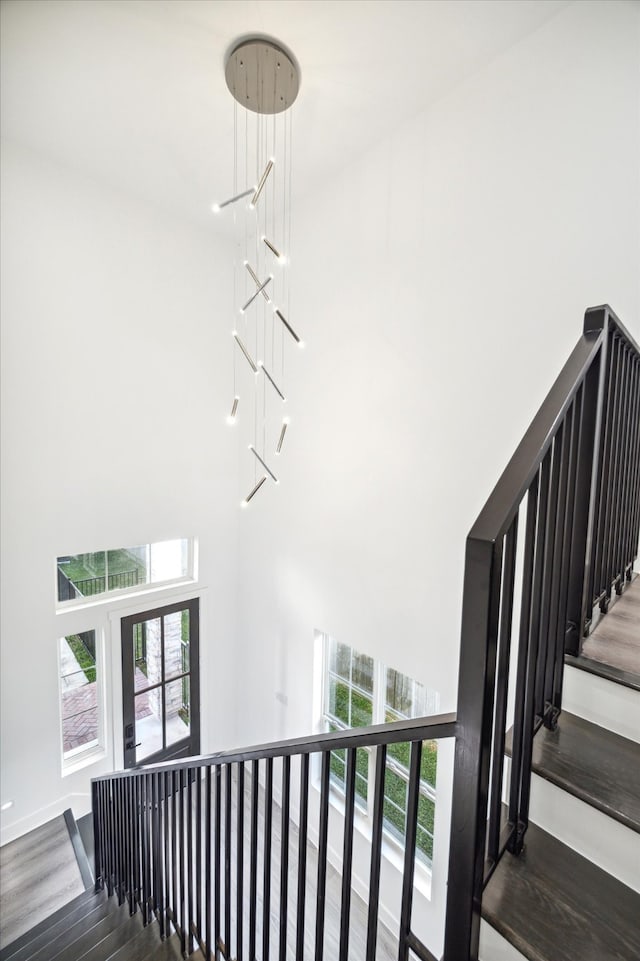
262 76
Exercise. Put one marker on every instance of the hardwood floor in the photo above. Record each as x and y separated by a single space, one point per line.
551 889
38 874
616 639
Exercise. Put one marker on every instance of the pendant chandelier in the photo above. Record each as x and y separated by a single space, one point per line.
264 81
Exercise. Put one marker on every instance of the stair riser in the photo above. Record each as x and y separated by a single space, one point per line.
602 702
493 947
604 841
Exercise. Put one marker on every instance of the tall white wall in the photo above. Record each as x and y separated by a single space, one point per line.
440 285
113 407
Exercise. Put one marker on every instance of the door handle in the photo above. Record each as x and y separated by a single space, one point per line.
129 745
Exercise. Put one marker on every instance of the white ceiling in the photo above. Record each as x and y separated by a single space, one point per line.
133 91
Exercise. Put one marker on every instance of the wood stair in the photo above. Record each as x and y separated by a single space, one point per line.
574 893
94 927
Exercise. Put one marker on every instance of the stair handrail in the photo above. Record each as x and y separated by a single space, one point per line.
557 470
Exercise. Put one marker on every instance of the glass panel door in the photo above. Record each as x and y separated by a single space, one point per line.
160 688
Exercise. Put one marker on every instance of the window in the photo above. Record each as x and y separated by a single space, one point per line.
123 569
80 707
359 691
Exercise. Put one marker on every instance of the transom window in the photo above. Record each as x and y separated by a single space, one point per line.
123 569
359 691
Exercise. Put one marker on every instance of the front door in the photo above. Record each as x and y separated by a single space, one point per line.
160 684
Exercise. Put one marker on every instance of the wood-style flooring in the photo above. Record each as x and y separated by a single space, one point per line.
551 889
38 874
615 641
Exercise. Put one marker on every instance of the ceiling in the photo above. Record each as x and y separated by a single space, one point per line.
133 91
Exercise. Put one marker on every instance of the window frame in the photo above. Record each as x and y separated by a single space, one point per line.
136 590
84 754
363 809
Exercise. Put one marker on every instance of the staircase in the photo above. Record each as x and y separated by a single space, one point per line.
574 892
210 857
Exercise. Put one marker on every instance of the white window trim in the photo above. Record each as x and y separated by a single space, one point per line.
85 754
140 590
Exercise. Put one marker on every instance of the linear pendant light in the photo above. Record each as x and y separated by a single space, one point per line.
264 79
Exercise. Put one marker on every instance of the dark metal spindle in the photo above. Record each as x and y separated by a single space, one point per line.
409 850
268 825
302 854
217 865
284 855
240 862
376 851
227 860
253 870
347 853
323 835
502 674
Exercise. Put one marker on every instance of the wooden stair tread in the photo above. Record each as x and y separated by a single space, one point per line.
24 947
554 905
592 764
141 946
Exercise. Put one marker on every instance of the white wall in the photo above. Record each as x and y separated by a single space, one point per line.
113 435
440 285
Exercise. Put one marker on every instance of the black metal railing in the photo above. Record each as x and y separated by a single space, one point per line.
569 497
89 586
171 839
557 536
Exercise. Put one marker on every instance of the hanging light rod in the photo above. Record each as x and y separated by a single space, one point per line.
254 491
245 352
232 200
232 416
276 253
283 431
258 291
255 279
263 180
266 467
270 379
286 323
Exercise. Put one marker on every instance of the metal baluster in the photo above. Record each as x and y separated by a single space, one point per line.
302 854
347 853
227 861
240 862
253 870
409 850
376 851
266 892
322 854
217 868
284 855
502 679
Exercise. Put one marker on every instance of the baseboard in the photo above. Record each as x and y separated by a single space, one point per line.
80 804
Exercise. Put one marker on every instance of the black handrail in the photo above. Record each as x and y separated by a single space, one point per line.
560 475
155 849
571 496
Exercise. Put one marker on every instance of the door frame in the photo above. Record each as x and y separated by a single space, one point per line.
187 746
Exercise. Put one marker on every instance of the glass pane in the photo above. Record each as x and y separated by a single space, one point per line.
339 700
147 654
78 691
424 833
429 762
126 567
361 709
148 708
169 560
362 672
340 659
176 643
177 706
362 776
395 802
81 575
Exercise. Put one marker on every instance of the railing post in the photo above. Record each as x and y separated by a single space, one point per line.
586 484
480 616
